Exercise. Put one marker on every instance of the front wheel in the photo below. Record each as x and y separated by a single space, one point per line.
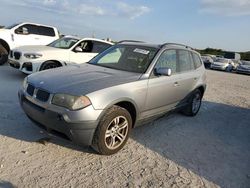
194 104
113 131
3 55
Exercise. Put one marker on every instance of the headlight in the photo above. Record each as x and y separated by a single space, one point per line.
32 55
71 102
25 83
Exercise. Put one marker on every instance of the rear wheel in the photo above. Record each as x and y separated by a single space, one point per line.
3 55
194 104
50 65
113 131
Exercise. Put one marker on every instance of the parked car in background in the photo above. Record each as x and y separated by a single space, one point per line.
25 34
98 103
232 55
223 64
64 51
207 60
243 67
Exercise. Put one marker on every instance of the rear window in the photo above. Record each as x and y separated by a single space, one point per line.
197 61
48 31
185 61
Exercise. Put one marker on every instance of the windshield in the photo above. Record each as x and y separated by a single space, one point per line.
64 43
11 26
126 57
222 60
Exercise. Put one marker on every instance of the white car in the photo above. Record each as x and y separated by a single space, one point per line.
223 64
25 34
64 51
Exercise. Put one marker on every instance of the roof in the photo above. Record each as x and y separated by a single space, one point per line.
158 46
150 45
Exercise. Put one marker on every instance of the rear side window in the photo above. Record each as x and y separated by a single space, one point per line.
99 46
197 61
185 61
31 29
47 31
168 60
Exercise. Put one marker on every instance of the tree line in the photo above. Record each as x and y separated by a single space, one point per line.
213 51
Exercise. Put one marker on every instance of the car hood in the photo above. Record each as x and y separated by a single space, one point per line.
37 49
80 79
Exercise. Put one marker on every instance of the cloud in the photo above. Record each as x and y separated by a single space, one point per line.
91 10
49 2
86 7
226 7
131 11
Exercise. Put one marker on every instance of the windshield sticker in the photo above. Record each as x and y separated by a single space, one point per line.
141 51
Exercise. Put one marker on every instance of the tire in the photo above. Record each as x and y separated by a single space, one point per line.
113 131
49 65
194 104
3 55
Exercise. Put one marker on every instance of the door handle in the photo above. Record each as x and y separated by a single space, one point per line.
176 84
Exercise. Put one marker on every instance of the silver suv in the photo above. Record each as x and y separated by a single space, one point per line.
98 103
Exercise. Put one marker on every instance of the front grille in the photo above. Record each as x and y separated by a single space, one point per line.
30 89
11 53
17 55
39 94
42 95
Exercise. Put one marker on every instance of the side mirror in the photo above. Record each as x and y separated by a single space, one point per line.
78 49
163 71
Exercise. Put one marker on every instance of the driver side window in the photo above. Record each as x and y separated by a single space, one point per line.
168 60
86 46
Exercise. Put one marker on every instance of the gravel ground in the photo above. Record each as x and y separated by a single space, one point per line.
209 150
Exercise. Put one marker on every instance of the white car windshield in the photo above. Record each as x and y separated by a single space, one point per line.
64 43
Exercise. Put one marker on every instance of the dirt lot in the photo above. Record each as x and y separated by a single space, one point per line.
209 150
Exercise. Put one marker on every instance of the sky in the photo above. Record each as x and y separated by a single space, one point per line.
222 24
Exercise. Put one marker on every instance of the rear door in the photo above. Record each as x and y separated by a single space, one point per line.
46 35
188 73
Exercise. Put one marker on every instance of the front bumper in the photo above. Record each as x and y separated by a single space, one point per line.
80 132
217 67
26 67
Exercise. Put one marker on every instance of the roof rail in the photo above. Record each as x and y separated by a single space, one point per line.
130 41
176 44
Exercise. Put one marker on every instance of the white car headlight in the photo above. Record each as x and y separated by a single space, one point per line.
32 55
71 102
25 83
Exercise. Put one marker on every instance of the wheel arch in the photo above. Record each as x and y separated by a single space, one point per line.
129 105
202 89
5 45
55 61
